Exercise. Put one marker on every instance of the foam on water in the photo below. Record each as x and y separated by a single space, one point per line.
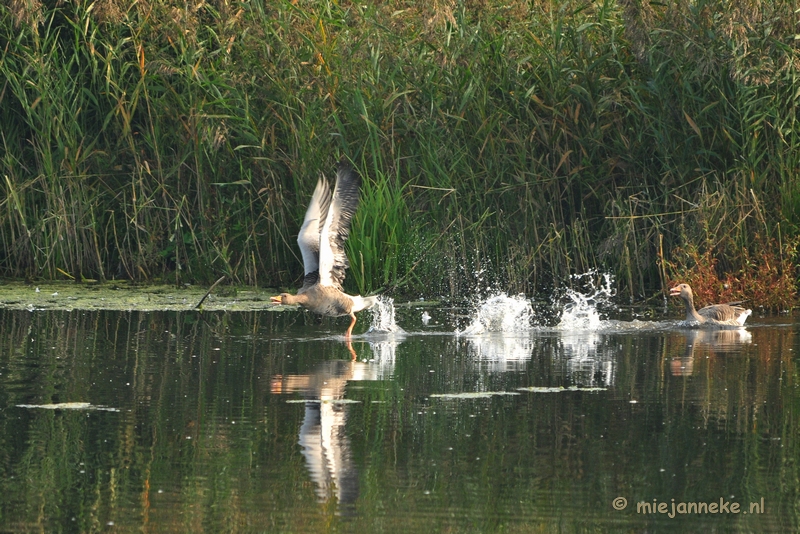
501 313
383 317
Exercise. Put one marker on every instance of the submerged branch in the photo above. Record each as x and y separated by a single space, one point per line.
210 289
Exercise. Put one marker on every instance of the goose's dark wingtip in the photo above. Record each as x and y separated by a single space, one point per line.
346 171
344 164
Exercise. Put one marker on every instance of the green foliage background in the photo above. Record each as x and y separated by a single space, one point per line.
510 142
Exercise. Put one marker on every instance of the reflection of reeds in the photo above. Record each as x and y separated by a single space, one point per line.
509 142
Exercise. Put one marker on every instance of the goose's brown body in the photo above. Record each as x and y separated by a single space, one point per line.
321 240
327 300
714 314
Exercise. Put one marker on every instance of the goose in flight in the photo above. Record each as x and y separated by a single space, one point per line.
321 240
715 314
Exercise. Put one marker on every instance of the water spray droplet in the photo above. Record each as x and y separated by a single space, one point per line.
582 310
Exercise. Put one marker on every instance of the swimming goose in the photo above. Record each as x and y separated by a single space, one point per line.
321 240
715 314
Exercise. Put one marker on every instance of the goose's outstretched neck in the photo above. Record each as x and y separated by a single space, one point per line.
691 311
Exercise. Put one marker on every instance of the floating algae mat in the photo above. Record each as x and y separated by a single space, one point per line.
536 389
68 406
123 295
323 401
472 394
487 394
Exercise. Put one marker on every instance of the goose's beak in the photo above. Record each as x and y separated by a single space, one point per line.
276 299
675 292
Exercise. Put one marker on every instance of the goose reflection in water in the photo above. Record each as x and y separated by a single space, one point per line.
713 341
323 437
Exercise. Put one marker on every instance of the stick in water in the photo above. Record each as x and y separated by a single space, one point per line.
210 289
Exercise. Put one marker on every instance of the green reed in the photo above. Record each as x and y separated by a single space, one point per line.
501 144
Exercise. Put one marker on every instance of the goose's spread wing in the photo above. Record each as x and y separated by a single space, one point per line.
721 312
309 237
332 258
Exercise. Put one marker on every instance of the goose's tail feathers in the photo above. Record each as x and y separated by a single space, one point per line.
362 303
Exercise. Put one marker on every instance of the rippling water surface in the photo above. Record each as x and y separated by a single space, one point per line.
434 420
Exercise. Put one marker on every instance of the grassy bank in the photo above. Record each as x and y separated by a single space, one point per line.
509 143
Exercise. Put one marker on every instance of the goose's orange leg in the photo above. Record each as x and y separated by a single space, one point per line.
352 324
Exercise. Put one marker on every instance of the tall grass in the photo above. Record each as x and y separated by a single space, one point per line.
507 144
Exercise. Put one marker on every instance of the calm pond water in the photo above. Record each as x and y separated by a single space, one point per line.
263 422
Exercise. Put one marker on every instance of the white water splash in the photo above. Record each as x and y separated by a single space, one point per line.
581 311
501 313
383 317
